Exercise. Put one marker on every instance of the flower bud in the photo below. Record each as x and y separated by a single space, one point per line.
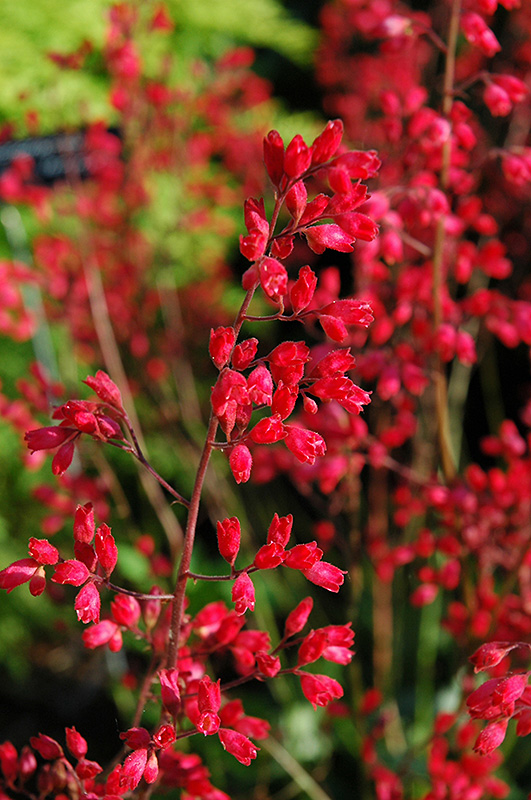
229 536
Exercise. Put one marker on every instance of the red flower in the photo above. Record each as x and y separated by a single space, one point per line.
238 745
305 445
326 575
106 389
241 462
229 535
72 572
243 594
170 693
87 604
221 343
320 689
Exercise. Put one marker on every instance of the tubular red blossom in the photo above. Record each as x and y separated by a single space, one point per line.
327 143
238 745
76 743
305 445
87 604
273 278
296 200
126 610
46 747
479 34
298 618
208 702
284 400
48 438
326 575
268 666
106 389
303 556
241 462
497 100
269 556
164 736
220 346
63 458
84 525
320 689
312 647
106 548
274 156
268 430
229 396
229 536
297 158
330 236
102 633
151 771
490 654
72 572
133 769
351 312
244 353
243 594
280 530
360 164
260 386
42 551
85 770
303 290
491 737
170 691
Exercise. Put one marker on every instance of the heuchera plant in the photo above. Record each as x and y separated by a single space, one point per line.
249 381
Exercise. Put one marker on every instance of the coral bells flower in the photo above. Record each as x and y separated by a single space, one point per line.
298 618
72 572
320 689
325 575
243 594
169 688
229 535
106 548
88 603
241 462
238 745
305 445
479 34
327 143
106 389
208 703
221 343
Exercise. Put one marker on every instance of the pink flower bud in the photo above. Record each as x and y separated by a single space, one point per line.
243 594
85 770
106 549
151 608
126 610
274 156
351 312
46 747
76 743
42 551
298 618
238 745
106 389
73 572
87 604
221 344
497 100
84 525
229 536
170 693
297 158
320 689
303 289
326 575
241 462
280 530
136 738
